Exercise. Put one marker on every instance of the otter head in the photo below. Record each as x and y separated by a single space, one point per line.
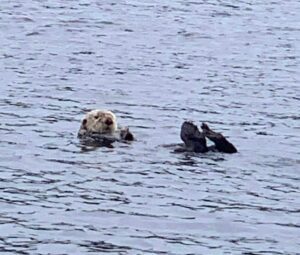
98 121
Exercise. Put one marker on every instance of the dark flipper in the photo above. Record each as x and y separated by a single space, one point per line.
193 139
219 140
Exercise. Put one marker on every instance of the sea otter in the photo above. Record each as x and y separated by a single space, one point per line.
194 140
101 127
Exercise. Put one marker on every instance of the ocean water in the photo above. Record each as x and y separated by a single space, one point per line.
232 64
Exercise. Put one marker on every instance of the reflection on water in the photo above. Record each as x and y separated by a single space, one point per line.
154 64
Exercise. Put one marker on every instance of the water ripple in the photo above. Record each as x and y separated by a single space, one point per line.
155 64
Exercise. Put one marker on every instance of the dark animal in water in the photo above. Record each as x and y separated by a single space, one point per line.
195 140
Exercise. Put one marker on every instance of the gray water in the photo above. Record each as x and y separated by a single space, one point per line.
232 64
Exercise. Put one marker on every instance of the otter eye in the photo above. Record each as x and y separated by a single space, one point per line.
96 117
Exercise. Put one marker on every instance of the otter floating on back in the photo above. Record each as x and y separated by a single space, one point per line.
101 127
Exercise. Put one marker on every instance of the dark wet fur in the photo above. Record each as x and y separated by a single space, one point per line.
195 141
105 140
221 143
126 135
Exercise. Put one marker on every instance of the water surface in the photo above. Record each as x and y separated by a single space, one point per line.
155 64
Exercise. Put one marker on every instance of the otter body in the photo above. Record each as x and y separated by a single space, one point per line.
100 128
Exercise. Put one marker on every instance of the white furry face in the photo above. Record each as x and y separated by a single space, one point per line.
99 121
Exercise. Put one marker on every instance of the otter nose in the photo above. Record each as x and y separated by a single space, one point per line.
108 121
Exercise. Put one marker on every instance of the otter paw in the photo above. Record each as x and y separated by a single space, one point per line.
126 134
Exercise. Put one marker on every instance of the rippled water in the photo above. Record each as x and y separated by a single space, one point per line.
233 64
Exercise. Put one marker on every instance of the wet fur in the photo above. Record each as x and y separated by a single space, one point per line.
100 127
195 141
98 121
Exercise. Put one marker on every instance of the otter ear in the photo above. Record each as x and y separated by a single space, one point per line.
84 121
